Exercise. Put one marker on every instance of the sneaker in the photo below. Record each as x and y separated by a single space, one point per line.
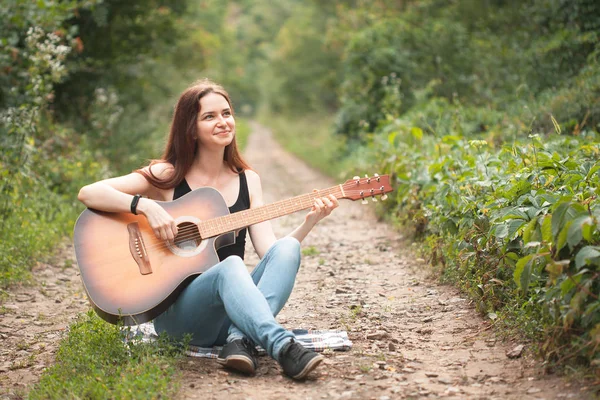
297 361
239 354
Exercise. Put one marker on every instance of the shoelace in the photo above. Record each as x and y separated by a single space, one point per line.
250 346
294 351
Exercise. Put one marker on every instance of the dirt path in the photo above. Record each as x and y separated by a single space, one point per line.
33 319
411 337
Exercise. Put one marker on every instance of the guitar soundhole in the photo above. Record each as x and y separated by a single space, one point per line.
188 236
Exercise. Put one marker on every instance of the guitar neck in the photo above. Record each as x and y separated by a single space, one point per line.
236 221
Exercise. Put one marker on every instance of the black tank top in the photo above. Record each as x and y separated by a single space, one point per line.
242 203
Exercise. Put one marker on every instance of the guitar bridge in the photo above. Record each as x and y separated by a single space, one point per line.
138 248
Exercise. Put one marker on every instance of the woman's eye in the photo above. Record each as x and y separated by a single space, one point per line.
227 113
208 117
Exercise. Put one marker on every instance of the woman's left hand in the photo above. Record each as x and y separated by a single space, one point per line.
322 207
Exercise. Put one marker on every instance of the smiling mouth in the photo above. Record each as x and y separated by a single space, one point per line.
222 132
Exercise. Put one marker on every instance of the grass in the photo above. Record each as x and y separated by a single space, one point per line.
242 131
94 362
310 251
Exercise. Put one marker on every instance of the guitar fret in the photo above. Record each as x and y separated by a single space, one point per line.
239 220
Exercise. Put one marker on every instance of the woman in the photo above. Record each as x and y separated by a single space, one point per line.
225 305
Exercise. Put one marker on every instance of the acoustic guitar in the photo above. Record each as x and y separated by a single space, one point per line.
131 276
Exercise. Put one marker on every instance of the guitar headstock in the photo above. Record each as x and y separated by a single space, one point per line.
362 188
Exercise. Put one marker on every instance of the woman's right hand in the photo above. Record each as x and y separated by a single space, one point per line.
160 221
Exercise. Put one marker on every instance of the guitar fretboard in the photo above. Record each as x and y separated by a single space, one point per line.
242 219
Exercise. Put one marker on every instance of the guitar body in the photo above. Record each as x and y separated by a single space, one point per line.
130 275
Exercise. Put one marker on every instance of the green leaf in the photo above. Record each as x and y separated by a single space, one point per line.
502 231
587 231
417 132
391 137
547 229
575 234
558 217
529 230
515 213
522 273
588 253
514 226
566 286
561 241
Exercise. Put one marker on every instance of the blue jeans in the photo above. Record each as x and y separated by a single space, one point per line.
226 302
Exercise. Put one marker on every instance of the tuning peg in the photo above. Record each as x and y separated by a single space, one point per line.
364 201
376 176
374 199
356 177
384 197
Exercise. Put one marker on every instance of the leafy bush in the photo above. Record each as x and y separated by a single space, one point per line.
517 226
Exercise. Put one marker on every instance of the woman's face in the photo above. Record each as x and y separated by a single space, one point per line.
216 126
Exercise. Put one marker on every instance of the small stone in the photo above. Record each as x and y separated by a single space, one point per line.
515 352
391 347
533 391
340 291
22 298
377 335
427 319
431 374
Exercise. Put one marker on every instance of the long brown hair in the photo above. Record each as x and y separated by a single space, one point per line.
181 144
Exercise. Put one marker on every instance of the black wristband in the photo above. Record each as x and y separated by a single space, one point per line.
134 203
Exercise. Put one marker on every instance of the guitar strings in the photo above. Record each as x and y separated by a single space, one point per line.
192 232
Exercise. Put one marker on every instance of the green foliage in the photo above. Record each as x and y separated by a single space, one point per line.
69 108
516 226
95 362
482 55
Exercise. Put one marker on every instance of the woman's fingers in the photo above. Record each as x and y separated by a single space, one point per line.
174 229
322 207
334 200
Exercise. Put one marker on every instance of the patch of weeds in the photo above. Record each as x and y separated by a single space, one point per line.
23 346
94 361
368 261
68 264
23 363
4 310
364 368
344 322
355 312
321 261
310 251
